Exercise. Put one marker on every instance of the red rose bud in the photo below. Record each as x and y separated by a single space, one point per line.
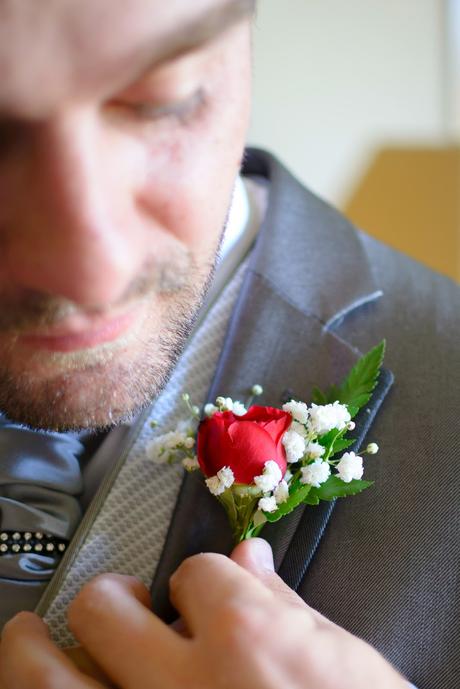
243 443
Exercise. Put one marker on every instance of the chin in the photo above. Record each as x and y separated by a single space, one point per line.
95 397
100 387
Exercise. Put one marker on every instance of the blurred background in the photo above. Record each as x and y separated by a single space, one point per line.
361 100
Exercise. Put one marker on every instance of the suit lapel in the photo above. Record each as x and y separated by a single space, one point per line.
306 272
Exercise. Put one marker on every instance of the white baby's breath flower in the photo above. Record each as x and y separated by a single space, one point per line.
298 428
299 410
190 463
221 481
226 477
288 475
294 444
159 449
323 418
214 485
351 425
270 477
350 467
210 409
239 409
372 449
315 474
189 442
257 390
225 403
155 451
281 492
174 439
314 450
267 504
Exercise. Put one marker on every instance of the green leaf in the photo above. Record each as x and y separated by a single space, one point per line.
311 500
333 440
333 394
318 397
331 437
341 444
334 487
296 498
352 410
357 387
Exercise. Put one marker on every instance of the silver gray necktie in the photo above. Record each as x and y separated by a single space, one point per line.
40 480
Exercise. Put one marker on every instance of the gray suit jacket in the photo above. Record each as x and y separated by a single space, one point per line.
317 294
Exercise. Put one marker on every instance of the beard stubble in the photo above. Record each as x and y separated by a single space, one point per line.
97 390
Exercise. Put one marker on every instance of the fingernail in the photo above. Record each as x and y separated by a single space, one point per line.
262 553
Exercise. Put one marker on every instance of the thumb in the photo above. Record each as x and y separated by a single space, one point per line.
256 556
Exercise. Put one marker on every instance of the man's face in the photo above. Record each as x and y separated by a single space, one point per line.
122 127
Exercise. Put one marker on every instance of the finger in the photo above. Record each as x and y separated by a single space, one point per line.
28 658
256 556
111 619
204 583
86 664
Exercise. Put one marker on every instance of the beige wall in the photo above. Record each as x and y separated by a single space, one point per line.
360 99
335 80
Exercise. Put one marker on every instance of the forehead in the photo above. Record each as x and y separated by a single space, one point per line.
52 48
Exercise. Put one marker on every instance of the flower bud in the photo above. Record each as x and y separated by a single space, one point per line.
210 409
372 449
257 390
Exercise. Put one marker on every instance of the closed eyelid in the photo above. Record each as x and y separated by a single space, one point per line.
178 108
177 77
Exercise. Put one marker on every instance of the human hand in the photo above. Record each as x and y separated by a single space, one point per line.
245 629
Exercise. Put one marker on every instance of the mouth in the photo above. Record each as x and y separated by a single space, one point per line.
79 332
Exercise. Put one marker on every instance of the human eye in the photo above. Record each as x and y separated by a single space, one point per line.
174 93
183 109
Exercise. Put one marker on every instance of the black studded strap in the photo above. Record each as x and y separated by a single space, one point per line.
13 542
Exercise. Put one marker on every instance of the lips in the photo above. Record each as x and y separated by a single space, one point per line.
79 333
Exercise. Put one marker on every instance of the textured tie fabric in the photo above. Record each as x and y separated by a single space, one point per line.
128 533
40 480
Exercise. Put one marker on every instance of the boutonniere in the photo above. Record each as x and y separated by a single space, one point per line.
262 462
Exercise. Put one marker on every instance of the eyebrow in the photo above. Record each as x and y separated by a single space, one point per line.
200 29
193 33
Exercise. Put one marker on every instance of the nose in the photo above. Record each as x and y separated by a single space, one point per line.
71 228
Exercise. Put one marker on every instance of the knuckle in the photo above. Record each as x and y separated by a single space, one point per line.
93 597
13 630
196 565
198 562
237 624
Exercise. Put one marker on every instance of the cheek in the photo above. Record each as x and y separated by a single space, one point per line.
190 172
